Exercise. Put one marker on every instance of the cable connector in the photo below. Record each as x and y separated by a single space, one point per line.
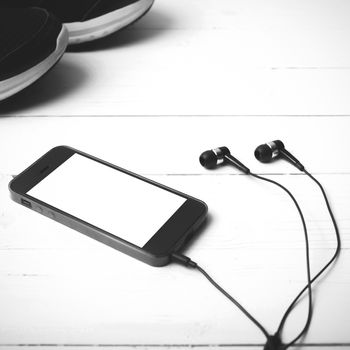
273 343
183 260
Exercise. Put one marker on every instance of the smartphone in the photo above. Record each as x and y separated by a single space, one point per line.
135 215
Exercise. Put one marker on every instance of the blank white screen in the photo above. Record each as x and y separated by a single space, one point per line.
107 198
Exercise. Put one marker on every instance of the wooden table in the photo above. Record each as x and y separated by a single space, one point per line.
190 76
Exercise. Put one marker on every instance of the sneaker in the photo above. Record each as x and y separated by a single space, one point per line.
88 20
31 42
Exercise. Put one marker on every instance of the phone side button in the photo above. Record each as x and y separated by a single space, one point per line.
38 209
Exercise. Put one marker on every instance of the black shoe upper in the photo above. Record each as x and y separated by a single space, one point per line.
27 37
72 10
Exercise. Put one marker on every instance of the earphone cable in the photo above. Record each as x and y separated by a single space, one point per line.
266 153
308 287
184 260
210 279
335 255
189 263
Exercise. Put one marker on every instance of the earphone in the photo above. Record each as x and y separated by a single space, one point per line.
264 153
212 158
273 150
267 153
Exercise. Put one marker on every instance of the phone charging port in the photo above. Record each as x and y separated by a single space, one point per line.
26 203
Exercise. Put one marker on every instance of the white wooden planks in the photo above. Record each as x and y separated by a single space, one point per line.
166 347
212 73
56 266
61 287
172 145
211 58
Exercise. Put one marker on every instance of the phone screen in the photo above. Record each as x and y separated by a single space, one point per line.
118 203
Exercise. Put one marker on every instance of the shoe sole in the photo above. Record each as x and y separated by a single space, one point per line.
99 27
11 86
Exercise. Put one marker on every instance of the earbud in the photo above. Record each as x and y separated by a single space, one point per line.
212 158
268 151
272 150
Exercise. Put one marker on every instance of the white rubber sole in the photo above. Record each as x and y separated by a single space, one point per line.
96 28
15 84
